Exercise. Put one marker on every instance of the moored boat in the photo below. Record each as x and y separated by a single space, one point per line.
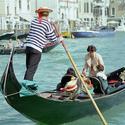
104 31
83 34
97 32
121 28
6 36
48 108
19 50
12 35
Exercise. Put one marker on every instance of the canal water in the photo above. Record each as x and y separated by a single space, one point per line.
53 66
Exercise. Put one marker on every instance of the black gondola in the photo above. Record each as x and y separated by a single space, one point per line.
19 50
6 36
48 108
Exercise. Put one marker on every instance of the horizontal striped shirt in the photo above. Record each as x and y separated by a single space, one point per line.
40 34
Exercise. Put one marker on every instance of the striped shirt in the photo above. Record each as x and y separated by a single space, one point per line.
40 34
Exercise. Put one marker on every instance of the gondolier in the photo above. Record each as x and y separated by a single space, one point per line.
41 31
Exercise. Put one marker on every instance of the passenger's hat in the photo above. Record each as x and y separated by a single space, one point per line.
71 85
44 9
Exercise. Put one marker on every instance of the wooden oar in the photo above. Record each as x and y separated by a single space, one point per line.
82 80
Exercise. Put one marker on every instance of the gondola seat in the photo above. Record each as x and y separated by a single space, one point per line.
99 87
115 75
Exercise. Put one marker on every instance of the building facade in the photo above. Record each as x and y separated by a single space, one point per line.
100 11
117 12
15 14
93 12
86 12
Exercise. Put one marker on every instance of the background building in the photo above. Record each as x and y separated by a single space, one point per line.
117 12
15 14
69 14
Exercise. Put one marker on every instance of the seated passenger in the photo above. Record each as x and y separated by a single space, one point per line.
101 72
102 77
71 84
68 85
69 75
89 85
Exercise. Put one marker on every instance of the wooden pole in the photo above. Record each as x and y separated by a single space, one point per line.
82 80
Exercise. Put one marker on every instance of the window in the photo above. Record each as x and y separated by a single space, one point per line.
91 7
20 4
28 4
107 11
113 11
15 10
112 1
7 10
86 7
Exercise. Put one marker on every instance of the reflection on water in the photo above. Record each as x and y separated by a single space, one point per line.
55 63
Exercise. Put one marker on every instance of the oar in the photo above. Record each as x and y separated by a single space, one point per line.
82 80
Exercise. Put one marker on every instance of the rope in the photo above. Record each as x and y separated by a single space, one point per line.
11 94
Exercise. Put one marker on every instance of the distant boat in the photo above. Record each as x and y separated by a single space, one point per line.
81 34
104 31
19 35
12 35
97 32
6 36
120 28
19 50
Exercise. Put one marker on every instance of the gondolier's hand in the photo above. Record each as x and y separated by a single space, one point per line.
60 38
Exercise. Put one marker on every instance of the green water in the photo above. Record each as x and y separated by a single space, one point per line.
54 64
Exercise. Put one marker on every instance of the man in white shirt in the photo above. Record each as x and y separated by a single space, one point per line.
92 60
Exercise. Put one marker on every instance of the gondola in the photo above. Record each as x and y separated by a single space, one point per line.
19 35
6 36
12 35
48 108
19 50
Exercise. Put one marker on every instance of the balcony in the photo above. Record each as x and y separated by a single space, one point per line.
98 3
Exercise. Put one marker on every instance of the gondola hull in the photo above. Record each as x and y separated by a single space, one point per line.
56 112
90 34
49 110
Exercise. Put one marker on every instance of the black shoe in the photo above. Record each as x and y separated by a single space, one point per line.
32 87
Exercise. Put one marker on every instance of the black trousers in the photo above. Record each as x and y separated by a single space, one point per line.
33 57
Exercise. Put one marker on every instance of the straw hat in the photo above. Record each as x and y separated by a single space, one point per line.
71 85
43 9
